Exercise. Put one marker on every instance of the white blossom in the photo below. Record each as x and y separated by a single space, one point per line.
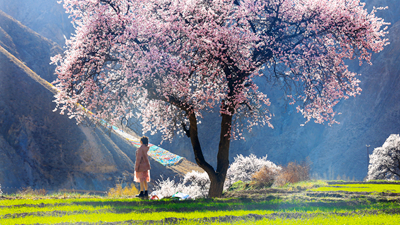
245 166
384 163
195 184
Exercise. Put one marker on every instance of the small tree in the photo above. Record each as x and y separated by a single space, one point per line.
169 61
384 162
244 167
196 184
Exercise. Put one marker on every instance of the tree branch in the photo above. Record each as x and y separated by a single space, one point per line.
185 129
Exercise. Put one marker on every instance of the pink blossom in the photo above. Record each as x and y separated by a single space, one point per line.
167 59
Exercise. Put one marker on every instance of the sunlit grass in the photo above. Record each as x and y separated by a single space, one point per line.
97 216
318 219
303 185
384 181
68 208
315 210
116 217
394 188
37 201
146 206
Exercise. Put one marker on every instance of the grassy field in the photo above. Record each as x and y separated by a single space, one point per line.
302 203
373 188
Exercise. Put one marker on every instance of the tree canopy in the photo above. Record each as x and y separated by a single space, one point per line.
168 61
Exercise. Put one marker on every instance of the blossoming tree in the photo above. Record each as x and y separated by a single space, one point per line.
384 162
169 61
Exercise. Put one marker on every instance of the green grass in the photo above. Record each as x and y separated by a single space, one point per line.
109 216
393 188
240 185
303 185
115 217
319 219
279 208
68 208
45 200
384 181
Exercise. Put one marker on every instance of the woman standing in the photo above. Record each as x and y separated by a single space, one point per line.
142 167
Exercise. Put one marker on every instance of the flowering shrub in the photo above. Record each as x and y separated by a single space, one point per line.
384 163
194 184
244 167
167 187
200 180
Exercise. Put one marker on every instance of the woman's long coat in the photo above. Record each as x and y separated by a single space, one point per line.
142 161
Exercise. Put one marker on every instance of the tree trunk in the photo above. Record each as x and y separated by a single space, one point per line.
217 177
217 186
198 154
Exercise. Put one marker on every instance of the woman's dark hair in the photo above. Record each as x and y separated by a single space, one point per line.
144 140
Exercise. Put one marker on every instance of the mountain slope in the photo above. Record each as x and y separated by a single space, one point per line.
41 148
46 17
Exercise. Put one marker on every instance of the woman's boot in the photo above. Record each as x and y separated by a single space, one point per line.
140 195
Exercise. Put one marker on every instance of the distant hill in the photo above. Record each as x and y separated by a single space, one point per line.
46 17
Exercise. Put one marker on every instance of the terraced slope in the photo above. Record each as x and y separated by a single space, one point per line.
282 206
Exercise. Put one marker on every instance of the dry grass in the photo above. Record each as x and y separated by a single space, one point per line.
263 178
127 191
293 173
31 192
290 174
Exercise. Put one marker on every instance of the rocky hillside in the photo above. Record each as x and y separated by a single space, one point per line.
46 17
43 149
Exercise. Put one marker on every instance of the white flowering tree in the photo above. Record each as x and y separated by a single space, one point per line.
169 61
384 162
196 184
244 167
